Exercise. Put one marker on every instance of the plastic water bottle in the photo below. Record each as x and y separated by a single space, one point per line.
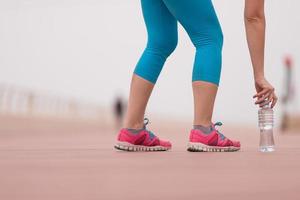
266 122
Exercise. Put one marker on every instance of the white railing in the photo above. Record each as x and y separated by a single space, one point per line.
19 101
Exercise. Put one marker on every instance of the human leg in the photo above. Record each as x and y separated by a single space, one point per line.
162 40
201 23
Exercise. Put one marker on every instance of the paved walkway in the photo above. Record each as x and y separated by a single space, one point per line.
53 160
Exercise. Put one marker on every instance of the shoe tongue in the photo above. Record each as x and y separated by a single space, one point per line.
221 135
218 124
151 134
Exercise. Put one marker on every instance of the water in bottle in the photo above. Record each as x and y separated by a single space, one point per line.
265 122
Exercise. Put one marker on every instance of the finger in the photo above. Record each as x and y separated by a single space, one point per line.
267 101
261 93
264 91
263 98
274 101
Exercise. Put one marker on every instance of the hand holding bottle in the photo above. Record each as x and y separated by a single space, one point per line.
265 93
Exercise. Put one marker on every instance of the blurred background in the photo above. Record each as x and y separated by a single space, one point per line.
65 71
74 59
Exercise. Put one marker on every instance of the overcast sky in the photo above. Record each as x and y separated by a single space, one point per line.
88 49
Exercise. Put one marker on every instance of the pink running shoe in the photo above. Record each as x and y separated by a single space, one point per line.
144 140
214 141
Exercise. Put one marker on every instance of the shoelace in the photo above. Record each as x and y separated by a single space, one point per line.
146 122
220 134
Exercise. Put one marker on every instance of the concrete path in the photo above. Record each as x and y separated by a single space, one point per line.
55 160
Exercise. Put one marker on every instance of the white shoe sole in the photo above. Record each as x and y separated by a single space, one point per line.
199 147
125 146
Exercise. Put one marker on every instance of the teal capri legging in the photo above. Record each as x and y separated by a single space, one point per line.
200 21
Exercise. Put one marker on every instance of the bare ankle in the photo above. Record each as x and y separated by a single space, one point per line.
203 123
134 125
